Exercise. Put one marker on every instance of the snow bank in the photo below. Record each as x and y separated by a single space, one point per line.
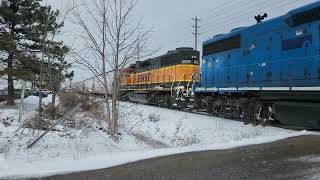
71 149
179 129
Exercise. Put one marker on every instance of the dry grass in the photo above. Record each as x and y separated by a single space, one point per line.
68 99
92 105
37 123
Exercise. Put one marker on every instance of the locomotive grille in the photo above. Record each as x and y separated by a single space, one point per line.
306 16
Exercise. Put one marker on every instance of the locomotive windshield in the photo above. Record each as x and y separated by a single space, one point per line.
222 45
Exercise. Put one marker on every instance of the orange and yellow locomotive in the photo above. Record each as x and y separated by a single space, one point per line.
163 79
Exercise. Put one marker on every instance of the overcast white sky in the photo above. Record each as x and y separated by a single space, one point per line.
171 19
172 22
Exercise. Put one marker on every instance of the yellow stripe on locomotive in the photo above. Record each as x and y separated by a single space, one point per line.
176 73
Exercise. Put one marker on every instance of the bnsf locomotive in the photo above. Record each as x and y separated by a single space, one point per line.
164 80
265 73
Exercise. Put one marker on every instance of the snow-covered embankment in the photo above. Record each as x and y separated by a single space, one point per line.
146 132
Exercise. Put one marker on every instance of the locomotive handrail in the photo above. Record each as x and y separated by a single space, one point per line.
194 80
171 88
191 80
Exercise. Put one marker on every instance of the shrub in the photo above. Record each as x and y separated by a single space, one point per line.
37 123
69 99
6 121
94 106
154 117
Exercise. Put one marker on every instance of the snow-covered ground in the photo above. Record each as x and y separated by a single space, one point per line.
146 132
179 129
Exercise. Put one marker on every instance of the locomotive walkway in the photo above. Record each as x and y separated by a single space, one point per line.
294 158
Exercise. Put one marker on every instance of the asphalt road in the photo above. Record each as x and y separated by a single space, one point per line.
285 159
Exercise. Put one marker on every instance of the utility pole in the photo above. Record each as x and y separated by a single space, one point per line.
195 33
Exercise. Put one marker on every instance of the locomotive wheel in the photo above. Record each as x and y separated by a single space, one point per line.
263 115
168 101
259 118
249 113
252 113
209 108
267 116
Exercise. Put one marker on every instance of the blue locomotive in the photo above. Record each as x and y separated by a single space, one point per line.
265 73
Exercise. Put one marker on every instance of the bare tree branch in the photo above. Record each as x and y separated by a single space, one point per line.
114 40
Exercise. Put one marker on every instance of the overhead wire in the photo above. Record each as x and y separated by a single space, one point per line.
189 35
206 28
233 20
241 11
217 14
217 7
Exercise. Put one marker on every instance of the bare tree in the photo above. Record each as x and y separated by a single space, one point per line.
113 40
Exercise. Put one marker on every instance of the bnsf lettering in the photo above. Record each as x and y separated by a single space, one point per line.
144 78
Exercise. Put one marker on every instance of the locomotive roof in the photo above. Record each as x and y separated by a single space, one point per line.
164 55
177 50
170 52
265 25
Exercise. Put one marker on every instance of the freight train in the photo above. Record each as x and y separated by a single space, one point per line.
266 73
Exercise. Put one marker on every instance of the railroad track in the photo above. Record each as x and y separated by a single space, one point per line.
204 113
239 119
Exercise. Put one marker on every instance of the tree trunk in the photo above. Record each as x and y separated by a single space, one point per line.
23 84
115 84
114 118
104 70
53 102
10 95
107 110
106 98
40 96
41 79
